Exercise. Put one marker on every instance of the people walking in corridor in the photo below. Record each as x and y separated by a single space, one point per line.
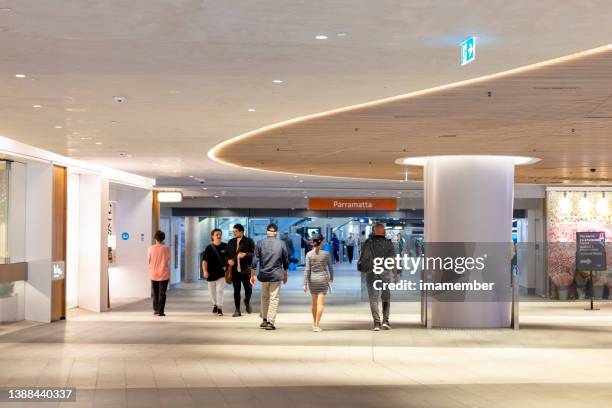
270 263
350 247
318 277
159 272
239 258
214 264
378 246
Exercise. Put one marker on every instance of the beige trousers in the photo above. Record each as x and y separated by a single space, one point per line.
270 295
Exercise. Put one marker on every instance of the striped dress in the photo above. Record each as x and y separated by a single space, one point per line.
318 271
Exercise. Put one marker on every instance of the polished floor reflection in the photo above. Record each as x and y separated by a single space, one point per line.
130 358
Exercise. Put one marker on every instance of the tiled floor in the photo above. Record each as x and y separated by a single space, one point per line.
561 357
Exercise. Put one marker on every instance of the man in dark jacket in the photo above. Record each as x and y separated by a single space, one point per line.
273 261
240 255
378 246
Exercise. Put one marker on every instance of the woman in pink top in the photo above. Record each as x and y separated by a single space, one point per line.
159 272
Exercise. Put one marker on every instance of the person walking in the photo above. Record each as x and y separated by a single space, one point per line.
378 246
335 247
361 240
159 272
350 247
307 243
270 263
401 244
239 257
289 243
214 265
318 277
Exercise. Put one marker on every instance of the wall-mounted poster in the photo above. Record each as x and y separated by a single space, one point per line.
569 212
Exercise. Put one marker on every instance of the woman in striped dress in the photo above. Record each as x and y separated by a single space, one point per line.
318 277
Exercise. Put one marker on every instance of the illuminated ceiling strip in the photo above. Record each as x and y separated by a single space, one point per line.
212 153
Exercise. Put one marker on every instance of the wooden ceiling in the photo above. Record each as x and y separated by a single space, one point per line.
559 111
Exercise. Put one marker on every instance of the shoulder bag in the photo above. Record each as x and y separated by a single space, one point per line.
228 271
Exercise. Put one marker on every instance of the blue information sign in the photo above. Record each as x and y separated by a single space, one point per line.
468 50
125 236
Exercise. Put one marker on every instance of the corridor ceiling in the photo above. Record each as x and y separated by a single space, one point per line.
190 71
559 112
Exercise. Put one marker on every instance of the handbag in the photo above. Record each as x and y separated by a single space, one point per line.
228 271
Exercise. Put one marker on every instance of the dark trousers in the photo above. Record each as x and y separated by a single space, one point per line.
350 250
336 256
158 292
244 279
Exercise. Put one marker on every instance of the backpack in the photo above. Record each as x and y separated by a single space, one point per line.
366 258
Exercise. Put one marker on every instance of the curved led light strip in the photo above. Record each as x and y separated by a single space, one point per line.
422 160
212 153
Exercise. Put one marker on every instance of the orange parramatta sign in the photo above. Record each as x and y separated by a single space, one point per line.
353 204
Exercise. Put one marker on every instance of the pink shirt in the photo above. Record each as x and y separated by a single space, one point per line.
159 262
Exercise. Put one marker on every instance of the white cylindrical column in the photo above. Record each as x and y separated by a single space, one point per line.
470 199
192 248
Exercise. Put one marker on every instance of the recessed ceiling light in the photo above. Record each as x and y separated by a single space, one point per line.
36 106
305 196
251 110
301 181
216 196
341 34
98 143
7 9
204 188
278 81
321 37
58 126
190 176
20 76
169 196
86 138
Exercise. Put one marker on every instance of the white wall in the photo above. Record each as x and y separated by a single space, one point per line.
17 227
17 212
92 255
72 241
31 236
129 276
38 238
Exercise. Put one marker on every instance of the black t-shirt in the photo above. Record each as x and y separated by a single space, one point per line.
216 266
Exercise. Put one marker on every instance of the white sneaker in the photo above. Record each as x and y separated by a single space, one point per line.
386 326
316 329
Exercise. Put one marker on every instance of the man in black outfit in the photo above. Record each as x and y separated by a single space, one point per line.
240 255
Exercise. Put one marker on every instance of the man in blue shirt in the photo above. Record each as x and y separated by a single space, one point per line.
335 247
272 258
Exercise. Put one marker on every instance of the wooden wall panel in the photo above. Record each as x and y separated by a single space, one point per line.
155 215
58 246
